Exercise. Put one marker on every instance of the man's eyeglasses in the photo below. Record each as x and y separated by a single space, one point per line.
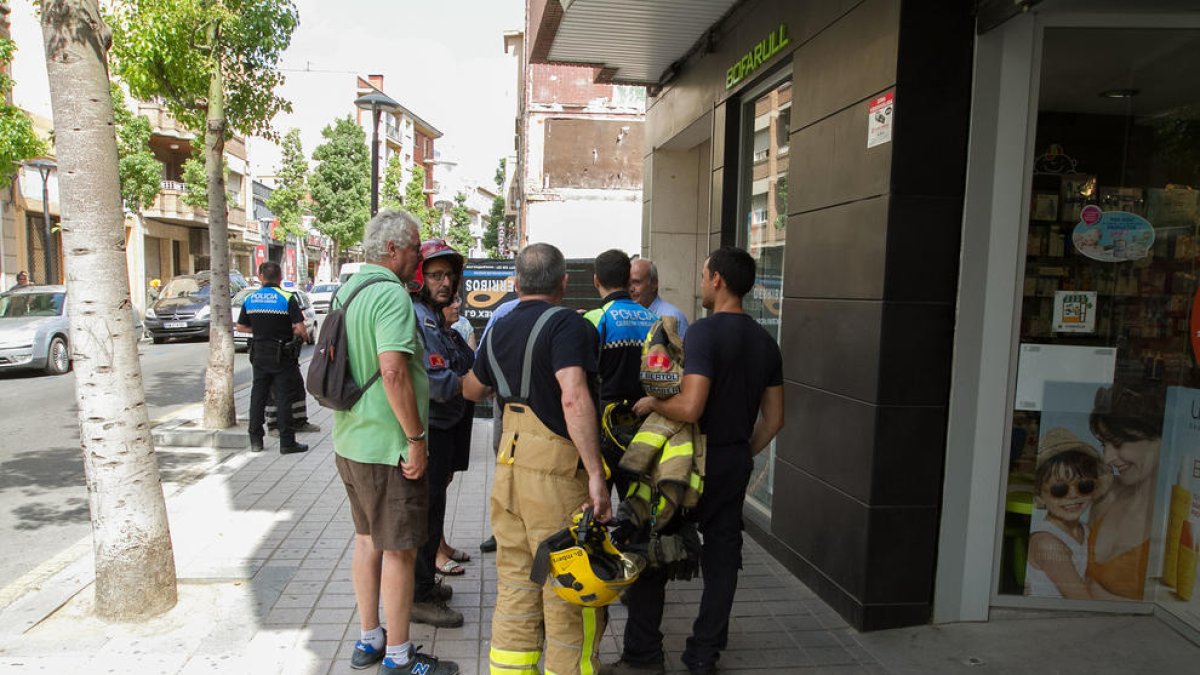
440 276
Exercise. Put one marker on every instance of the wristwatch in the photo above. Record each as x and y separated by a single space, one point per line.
419 437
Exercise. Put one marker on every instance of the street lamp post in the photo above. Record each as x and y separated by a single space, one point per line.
44 167
376 102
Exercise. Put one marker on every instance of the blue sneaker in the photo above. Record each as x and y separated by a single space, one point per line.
420 664
365 655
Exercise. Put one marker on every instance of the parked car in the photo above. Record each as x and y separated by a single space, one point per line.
321 295
33 329
241 341
182 308
348 270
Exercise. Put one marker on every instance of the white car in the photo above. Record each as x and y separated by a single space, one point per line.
321 295
241 341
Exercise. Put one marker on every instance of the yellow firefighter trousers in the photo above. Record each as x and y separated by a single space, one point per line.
538 486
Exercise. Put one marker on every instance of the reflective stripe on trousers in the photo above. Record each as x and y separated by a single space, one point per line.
538 485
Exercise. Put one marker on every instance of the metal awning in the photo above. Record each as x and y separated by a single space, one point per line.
629 41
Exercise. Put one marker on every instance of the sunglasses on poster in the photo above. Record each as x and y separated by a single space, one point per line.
1084 487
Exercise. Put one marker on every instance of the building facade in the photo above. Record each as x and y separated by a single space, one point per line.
975 225
401 133
579 157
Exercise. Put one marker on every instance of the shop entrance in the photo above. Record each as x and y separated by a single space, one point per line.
1102 499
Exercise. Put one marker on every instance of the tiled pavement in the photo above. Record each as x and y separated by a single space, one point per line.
263 546
303 565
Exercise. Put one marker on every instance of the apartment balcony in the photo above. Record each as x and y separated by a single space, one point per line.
169 207
163 124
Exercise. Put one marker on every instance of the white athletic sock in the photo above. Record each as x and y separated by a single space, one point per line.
373 637
400 654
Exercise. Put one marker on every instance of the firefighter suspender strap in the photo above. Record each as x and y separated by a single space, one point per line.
527 367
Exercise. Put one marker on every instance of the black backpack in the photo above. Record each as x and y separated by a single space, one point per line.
329 378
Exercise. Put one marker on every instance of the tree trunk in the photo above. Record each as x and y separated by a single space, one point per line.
135 566
219 412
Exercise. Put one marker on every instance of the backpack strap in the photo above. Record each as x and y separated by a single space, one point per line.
378 371
502 386
355 292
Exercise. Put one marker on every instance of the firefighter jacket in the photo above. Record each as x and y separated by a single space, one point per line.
668 457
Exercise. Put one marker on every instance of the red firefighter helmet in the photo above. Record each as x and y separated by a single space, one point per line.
437 248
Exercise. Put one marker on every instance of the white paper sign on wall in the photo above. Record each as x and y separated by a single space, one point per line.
879 119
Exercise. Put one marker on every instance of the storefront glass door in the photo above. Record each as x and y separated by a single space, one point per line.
1103 498
763 173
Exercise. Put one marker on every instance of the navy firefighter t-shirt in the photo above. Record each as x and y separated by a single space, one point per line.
740 359
566 340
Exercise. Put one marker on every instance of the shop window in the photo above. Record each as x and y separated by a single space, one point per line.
1103 498
35 233
766 113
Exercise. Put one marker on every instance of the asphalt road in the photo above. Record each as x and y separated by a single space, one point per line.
43 501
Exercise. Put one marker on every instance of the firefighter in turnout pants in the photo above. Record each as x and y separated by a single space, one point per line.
541 361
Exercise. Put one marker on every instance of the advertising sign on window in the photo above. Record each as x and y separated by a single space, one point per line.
1094 488
1176 541
1074 312
1112 236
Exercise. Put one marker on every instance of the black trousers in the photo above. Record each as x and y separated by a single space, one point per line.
280 377
719 517
437 472
298 399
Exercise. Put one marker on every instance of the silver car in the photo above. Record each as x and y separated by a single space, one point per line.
33 329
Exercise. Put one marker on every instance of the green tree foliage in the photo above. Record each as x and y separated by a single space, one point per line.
195 181
139 171
501 173
495 217
164 49
414 203
340 184
18 141
491 233
289 200
213 64
460 225
391 192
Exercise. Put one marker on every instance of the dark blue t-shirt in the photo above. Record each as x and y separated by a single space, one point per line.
741 359
566 340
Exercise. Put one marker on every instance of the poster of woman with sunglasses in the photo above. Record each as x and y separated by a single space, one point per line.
1095 488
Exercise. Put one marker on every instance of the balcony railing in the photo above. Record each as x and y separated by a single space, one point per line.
177 186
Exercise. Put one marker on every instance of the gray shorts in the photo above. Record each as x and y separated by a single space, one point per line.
384 504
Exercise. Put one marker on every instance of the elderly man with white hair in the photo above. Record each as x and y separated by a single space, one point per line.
380 444
643 287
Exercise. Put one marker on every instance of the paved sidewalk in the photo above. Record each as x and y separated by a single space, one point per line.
263 547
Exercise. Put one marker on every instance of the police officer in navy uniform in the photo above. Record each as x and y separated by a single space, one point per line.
273 317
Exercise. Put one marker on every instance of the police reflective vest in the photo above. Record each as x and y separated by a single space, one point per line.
263 301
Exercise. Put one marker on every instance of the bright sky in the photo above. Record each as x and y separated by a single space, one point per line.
444 60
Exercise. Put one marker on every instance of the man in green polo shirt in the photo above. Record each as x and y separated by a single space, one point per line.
380 445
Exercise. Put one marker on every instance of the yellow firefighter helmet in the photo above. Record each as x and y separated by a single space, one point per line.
584 566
